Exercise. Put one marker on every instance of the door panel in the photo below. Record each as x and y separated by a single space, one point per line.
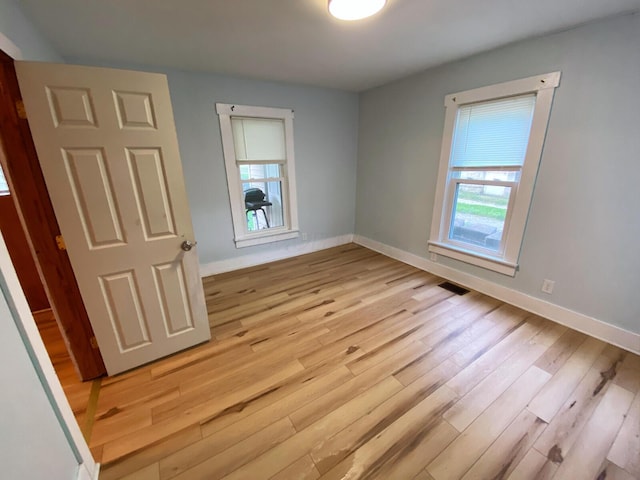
71 107
149 180
172 289
92 189
108 149
135 110
120 291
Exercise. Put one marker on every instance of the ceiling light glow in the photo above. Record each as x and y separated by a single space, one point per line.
355 9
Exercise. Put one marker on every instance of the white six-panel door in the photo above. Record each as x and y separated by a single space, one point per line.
107 145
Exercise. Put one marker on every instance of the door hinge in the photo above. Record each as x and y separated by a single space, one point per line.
94 343
60 242
20 110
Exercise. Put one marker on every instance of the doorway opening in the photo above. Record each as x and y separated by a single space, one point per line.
30 229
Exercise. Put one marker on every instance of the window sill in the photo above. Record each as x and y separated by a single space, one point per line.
267 237
490 263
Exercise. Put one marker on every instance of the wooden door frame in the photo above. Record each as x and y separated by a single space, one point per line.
26 181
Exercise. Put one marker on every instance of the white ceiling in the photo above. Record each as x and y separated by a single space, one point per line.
296 40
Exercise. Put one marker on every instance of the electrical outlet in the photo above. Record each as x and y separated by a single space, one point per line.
434 257
547 286
305 236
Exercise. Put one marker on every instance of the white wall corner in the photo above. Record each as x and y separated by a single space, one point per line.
10 48
583 323
254 259
84 473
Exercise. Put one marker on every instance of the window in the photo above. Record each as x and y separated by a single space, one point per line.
4 187
258 153
491 150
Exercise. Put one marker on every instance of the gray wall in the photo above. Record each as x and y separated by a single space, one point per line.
584 225
32 442
19 29
325 135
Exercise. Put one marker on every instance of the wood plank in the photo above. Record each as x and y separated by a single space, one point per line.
278 401
475 372
534 466
134 441
404 447
132 395
629 373
454 462
625 451
239 370
611 471
353 346
242 422
446 335
301 469
333 450
590 450
447 332
423 475
509 449
150 455
555 393
219 465
211 359
374 355
147 473
549 333
110 426
556 356
468 408
567 424
276 459
505 320
311 412
243 384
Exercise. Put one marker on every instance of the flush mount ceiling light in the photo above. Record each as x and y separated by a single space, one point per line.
355 9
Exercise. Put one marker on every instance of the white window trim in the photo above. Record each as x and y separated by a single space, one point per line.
236 197
505 262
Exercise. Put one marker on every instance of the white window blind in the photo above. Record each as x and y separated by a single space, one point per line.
494 133
4 187
259 140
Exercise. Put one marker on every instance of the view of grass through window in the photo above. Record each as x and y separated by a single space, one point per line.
482 205
479 215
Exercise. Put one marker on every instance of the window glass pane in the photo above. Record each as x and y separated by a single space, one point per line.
495 175
258 138
257 172
4 187
263 205
493 133
479 213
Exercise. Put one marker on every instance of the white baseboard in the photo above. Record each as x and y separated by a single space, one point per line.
596 328
252 260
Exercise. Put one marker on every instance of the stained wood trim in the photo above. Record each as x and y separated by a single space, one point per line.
20 254
22 168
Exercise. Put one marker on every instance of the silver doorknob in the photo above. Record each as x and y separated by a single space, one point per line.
188 245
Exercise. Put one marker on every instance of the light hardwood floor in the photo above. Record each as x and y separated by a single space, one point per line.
77 392
345 364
